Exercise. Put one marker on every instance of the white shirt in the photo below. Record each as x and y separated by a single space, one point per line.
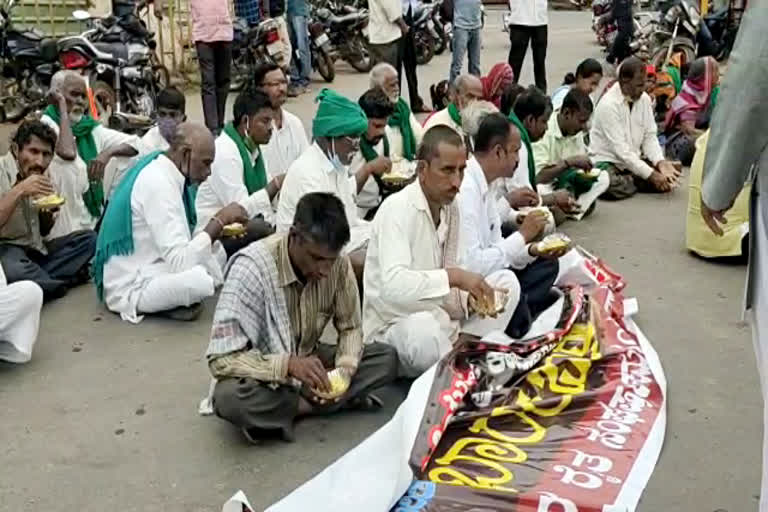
396 138
313 172
442 117
70 179
370 195
285 145
226 185
532 13
483 249
404 271
117 167
161 239
624 137
382 28
502 187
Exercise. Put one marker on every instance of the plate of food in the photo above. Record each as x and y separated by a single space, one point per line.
48 202
233 230
485 309
339 385
554 243
394 178
592 173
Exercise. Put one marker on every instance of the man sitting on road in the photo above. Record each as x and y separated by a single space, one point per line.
323 167
171 112
561 155
373 159
239 174
277 299
20 305
403 132
414 285
56 264
147 260
77 170
288 140
530 115
484 250
623 138
466 89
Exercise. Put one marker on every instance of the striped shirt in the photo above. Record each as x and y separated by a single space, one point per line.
310 306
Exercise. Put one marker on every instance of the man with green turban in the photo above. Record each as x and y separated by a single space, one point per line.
83 151
324 167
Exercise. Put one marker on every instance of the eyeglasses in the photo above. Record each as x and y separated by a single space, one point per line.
354 142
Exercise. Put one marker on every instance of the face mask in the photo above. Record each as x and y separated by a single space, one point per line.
167 127
335 160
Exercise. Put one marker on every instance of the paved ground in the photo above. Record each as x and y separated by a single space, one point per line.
105 414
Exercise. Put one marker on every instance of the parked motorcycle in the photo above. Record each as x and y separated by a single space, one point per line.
253 45
442 39
28 60
425 36
320 50
347 28
677 32
120 75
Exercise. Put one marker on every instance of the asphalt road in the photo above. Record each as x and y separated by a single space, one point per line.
105 415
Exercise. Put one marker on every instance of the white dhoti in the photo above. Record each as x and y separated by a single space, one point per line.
168 291
20 305
759 314
422 338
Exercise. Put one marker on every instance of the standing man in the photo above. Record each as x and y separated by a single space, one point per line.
529 24
408 52
212 33
386 30
289 140
467 28
737 145
301 67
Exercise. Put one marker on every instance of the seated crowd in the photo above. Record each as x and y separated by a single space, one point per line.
398 235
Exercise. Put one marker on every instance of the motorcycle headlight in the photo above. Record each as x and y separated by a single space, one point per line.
695 16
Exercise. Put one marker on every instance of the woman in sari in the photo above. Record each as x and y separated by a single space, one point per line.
689 113
587 78
497 80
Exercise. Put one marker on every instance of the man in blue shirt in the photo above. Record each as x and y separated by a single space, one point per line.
467 27
301 60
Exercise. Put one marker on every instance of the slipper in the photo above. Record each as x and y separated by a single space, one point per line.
366 403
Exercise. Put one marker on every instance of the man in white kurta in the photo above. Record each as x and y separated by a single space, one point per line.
73 177
736 154
414 288
168 268
466 89
289 138
20 305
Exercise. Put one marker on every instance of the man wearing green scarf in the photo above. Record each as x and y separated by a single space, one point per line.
324 167
147 261
85 149
374 158
239 173
466 89
404 131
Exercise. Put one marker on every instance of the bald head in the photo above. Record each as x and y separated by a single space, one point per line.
384 76
467 88
192 150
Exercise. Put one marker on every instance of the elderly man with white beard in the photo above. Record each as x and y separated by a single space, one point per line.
84 150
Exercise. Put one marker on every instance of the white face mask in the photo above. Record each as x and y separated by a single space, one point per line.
335 160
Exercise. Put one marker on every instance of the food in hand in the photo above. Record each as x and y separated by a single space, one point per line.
393 178
487 308
233 230
339 385
49 202
553 243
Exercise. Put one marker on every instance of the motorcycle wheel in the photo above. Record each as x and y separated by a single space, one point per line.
324 65
162 77
679 45
442 42
14 106
360 57
105 99
425 47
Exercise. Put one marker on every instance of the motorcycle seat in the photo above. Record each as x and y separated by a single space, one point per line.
49 50
116 50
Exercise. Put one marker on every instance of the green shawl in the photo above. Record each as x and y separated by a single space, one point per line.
527 141
86 148
402 119
677 80
454 113
116 233
368 151
574 182
254 175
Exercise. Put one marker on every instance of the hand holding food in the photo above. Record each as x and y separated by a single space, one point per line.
36 185
234 230
533 224
552 247
339 381
48 203
491 306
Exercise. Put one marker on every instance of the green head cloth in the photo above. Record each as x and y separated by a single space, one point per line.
338 116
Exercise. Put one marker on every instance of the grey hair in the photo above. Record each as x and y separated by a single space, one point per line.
472 115
376 76
462 81
61 77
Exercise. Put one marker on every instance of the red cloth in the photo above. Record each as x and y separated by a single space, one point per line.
500 76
